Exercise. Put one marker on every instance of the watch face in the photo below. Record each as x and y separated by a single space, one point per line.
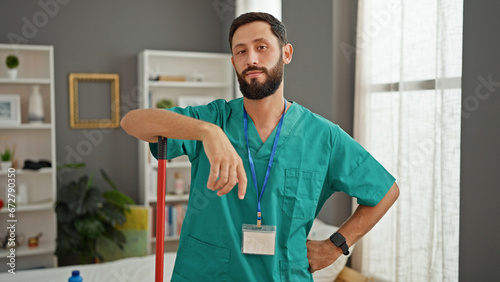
338 239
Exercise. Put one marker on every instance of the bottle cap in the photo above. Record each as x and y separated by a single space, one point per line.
75 273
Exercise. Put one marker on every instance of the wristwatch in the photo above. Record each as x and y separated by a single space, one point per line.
339 241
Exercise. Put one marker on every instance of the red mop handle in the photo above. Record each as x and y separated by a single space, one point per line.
160 208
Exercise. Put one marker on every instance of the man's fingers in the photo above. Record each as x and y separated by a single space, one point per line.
223 176
230 183
242 181
212 178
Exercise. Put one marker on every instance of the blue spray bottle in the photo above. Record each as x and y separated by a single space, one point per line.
75 277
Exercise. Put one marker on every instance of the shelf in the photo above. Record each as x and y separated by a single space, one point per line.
27 126
25 81
167 239
217 82
45 170
36 141
24 250
29 207
172 198
26 47
187 84
173 165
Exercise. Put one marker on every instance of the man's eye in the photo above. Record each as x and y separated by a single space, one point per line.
241 52
262 47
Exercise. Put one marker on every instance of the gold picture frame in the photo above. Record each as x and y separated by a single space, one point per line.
74 117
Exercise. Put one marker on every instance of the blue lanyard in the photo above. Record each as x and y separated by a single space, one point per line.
270 164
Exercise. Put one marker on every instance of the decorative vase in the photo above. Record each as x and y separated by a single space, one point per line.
6 165
35 109
12 73
178 184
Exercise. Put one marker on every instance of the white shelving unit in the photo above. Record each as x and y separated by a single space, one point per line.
207 75
34 142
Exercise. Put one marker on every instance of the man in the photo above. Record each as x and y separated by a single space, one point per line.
295 161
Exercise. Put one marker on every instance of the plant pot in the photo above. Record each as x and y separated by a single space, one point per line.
6 165
12 73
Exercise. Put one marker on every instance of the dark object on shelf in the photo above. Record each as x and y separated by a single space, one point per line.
6 243
29 164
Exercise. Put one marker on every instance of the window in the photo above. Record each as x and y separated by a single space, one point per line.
407 114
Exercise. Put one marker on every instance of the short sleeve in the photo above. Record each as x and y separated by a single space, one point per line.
355 171
213 113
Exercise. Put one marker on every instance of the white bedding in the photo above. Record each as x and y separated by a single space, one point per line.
124 270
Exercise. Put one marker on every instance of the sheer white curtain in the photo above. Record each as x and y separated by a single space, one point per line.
407 114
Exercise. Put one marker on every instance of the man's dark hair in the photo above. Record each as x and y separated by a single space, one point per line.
277 27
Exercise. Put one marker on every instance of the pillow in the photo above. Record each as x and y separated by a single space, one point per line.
322 231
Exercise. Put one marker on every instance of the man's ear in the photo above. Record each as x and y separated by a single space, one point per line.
232 61
287 53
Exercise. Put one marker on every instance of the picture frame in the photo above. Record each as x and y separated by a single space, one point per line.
10 109
75 82
193 101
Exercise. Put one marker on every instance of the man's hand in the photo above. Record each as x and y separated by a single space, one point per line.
321 254
225 164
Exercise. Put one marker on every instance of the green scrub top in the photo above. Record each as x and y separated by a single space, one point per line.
314 158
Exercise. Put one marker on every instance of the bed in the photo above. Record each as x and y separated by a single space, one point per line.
124 270
143 268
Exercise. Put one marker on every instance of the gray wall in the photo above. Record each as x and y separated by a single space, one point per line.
320 77
480 147
105 36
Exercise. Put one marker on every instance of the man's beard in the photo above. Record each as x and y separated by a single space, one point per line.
256 90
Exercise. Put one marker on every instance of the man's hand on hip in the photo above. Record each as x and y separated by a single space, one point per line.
321 254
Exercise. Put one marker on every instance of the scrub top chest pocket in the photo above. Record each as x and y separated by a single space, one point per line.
302 190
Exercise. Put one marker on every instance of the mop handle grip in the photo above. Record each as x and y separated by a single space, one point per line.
162 148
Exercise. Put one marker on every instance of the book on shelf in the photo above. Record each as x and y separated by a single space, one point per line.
174 217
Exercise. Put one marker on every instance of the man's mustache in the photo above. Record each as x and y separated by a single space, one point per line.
254 68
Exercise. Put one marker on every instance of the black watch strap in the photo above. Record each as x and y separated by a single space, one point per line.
339 241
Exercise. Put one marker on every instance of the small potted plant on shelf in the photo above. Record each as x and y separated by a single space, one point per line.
164 104
12 62
6 156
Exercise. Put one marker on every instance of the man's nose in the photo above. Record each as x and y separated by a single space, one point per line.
252 58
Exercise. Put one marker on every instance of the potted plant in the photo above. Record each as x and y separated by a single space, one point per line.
85 214
164 104
6 156
12 63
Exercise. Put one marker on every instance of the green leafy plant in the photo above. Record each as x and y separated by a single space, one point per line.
7 155
164 104
85 214
12 61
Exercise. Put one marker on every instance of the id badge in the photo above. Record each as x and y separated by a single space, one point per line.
258 240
